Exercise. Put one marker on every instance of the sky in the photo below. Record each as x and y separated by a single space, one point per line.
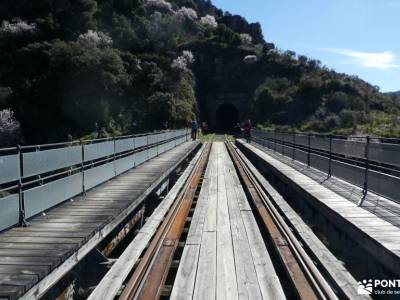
357 37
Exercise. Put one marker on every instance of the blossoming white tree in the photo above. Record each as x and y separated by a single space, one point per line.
159 4
182 62
186 13
18 27
209 21
246 38
96 38
9 128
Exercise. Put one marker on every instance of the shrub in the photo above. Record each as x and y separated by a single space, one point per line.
209 21
10 128
181 62
185 13
159 4
96 38
17 28
246 38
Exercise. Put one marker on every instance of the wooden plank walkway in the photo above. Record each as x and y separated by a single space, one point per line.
225 256
109 286
376 235
32 259
325 258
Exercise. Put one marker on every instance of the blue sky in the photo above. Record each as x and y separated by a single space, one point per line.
357 37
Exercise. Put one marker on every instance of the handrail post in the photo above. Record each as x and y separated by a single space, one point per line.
330 157
365 189
275 140
83 166
115 166
147 146
309 150
294 146
22 220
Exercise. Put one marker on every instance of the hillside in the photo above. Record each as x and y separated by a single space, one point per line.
72 68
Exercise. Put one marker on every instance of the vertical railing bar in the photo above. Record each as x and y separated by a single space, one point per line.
274 140
114 163
365 189
134 155
294 146
147 146
22 220
330 157
309 150
83 167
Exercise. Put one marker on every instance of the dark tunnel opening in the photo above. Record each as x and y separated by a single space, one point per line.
227 117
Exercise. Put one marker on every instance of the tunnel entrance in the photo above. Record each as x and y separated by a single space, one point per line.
227 117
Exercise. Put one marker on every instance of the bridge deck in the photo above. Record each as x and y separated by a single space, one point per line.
224 256
52 244
335 198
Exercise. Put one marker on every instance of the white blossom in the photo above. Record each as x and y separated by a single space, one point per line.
246 38
186 13
250 59
9 126
96 38
18 27
181 62
159 4
188 55
209 21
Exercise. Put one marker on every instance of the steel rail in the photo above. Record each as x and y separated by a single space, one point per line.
150 274
305 276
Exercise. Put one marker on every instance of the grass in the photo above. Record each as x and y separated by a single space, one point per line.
214 137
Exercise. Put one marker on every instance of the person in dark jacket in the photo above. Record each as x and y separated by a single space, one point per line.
247 131
195 128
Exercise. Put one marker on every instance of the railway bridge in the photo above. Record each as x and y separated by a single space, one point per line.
161 216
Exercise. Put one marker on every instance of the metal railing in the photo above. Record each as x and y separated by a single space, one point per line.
36 178
371 163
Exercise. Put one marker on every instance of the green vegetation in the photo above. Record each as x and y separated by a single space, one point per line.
71 68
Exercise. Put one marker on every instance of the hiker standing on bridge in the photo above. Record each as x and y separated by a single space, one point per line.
247 131
195 128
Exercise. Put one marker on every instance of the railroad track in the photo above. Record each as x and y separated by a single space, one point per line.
306 279
151 274
148 279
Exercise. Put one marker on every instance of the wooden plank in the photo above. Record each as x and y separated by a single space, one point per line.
32 252
10 292
226 273
57 234
73 219
211 215
24 280
267 278
35 246
40 240
183 287
38 224
29 261
206 277
196 225
247 281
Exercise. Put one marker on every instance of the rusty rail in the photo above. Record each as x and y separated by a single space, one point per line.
149 276
304 275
